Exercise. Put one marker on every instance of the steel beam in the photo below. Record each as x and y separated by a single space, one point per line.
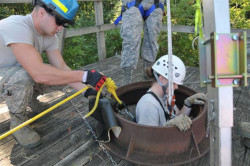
216 19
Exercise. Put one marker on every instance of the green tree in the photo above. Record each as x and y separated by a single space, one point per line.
82 50
240 14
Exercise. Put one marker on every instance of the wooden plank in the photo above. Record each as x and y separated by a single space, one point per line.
53 121
91 29
4 127
63 148
101 158
241 154
100 35
243 104
106 27
6 149
4 116
61 39
74 154
6 162
86 156
59 139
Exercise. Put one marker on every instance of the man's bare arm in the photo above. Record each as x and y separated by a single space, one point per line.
32 62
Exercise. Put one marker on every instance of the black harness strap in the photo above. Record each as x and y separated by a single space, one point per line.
166 115
157 3
137 3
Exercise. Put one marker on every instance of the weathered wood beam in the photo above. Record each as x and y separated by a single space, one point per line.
100 36
106 27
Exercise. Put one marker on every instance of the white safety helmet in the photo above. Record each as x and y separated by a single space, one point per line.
179 70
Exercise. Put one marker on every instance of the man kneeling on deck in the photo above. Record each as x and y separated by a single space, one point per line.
22 41
153 108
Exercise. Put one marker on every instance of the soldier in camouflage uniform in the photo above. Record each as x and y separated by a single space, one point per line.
131 32
22 71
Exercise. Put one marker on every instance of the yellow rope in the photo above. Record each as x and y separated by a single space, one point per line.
198 19
111 87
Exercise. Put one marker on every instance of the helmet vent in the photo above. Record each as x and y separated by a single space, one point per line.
158 63
177 75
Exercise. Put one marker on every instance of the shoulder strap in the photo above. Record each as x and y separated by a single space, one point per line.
153 94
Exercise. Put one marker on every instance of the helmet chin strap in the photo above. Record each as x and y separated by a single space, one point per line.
164 88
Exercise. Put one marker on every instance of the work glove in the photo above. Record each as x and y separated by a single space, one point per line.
198 98
94 78
183 122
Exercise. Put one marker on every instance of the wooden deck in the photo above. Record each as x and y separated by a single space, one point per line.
67 140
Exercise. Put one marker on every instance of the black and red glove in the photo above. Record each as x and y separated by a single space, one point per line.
94 78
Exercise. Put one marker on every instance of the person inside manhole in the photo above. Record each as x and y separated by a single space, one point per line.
153 108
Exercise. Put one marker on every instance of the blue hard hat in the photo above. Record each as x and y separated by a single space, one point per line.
63 8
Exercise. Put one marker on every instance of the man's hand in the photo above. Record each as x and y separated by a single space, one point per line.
183 122
94 78
198 98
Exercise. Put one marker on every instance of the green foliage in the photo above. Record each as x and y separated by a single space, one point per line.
113 42
14 8
240 13
182 13
181 47
82 50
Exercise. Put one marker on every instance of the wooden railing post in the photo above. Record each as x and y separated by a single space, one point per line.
61 39
100 35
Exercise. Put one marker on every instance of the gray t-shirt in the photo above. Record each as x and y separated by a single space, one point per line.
20 29
149 111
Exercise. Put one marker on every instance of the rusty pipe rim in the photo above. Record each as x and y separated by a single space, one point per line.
147 145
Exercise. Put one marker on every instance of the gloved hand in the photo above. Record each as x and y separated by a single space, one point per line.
94 78
198 98
183 122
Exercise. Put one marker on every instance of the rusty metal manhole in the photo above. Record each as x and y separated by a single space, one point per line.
149 145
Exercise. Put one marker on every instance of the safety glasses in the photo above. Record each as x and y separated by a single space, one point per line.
59 20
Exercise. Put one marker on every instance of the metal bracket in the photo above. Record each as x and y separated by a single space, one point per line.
228 59
203 63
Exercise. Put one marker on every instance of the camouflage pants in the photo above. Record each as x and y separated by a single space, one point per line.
18 89
131 33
